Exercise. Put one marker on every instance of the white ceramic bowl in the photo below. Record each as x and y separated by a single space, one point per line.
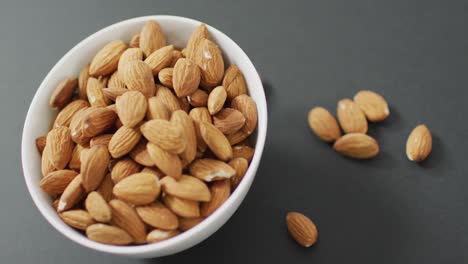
177 31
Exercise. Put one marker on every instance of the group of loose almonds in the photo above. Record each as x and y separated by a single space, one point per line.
153 141
353 116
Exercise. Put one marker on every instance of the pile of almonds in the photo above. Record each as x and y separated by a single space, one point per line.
152 142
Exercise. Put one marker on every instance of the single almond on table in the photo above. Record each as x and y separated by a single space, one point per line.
165 135
158 235
138 76
160 59
357 145
211 170
199 98
240 165
167 98
373 105
60 146
157 215
63 93
351 117
83 82
234 82
167 162
79 219
71 195
65 116
94 166
41 143
187 187
124 168
186 124
125 217
151 38
324 124
220 191
105 188
140 154
157 109
200 114
56 182
247 106
186 77
101 140
129 55
210 60
108 234
194 42
182 207
107 59
216 100
138 189
187 223
216 141
98 208
165 77
243 151
302 229
419 144
115 81
228 120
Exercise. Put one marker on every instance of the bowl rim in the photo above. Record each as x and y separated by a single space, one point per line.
170 245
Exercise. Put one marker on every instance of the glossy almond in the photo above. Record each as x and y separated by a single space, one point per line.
108 234
56 182
94 166
186 77
138 189
350 116
240 165
160 59
165 77
247 106
220 191
157 109
63 93
211 170
79 219
167 98
126 218
185 124
234 82
124 168
65 116
228 120
157 215
302 229
107 59
194 42
216 141
243 151
200 114
131 108
140 154
165 135
210 60
137 76
72 194
187 187
419 144
182 207
216 100
60 146
158 235
151 37
129 55
357 145
167 162
198 99
97 207
324 124
373 105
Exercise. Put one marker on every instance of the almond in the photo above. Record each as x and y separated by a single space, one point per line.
56 182
211 170
115 81
129 55
131 108
107 59
83 82
103 80
138 189
240 165
237 137
97 207
216 100
182 207
75 161
63 93
41 143
419 144
160 235
234 82
105 188
186 77
65 116
94 166
200 114
373 105
46 165
79 219
185 123
243 151
157 215
157 109
216 141
60 146
351 118
160 59
112 93
76 128
324 124
198 99
184 104
302 229
228 120
187 187
153 170
220 191
72 194
187 223
176 55
126 218
108 234
137 76
194 42
357 145
165 135
167 162
151 38
95 93
101 140
135 41
246 105
124 168
210 60
140 154
96 120
167 98
165 77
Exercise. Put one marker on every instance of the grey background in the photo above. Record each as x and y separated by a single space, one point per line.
386 210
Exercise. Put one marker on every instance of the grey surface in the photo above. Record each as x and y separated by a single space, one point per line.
387 210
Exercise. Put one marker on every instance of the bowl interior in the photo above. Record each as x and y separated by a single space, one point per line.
177 31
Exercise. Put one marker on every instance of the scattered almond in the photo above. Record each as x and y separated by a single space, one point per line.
302 229
351 118
357 145
419 144
373 105
323 124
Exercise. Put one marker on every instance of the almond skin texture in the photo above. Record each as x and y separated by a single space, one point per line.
165 135
210 60
186 77
216 141
103 140
138 189
167 162
302 229
198 99
240 165
237 137
165 77
129 55
228 120
357 145
113 92
155 171
63 93
107 59
94 166
419 144
182 207
160 235
185 124
140 154
115 81
373 105
126 218
137 76
200 114
157 109
194 42
351 118
108 234
105 188
79 219
210 170
71 195
75 161
324 124
131 108
98 208
157 215
247 106
56 182
234 82
216 100
151 38
187 187
124 168
83 82
167 98
176 55
187 223
135 41
66 114
60 147
160 59
243 151
220 191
